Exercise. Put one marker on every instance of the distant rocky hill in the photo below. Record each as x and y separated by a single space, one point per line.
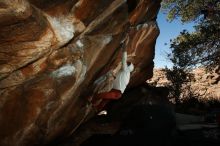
205 84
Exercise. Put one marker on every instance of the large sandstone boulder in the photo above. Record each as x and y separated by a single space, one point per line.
52 52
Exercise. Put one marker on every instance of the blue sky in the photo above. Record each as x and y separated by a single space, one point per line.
167 31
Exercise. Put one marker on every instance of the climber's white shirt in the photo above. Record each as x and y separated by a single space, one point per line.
122 79
123 76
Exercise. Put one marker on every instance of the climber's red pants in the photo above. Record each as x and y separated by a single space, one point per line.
112 95
101 99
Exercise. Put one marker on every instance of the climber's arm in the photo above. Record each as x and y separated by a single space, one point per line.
124 60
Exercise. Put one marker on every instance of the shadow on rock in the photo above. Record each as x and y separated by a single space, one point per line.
144 125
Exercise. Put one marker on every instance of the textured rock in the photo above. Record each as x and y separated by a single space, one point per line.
205 84
52 52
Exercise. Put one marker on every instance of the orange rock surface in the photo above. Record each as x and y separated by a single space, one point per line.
52 52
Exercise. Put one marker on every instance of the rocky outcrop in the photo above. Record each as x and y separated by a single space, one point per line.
205 84
53 51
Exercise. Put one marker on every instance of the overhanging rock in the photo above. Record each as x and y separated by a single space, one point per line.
51 52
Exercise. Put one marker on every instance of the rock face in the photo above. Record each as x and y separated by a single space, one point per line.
53 51
205 85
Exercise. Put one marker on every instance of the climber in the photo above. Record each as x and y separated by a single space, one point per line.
119 84
121 80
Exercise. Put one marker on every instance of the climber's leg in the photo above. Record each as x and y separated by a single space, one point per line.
111 95
101 105
106 97
100 100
